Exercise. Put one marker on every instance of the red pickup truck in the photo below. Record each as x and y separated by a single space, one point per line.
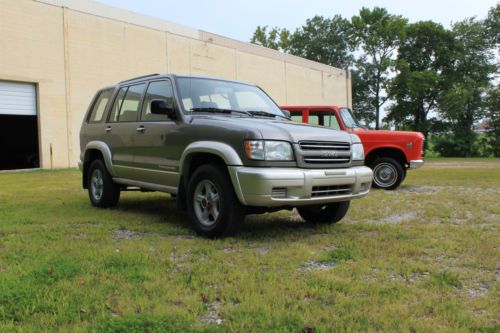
388 153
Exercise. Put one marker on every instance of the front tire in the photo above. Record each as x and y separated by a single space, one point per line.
387 173
103 192
329 213
212 205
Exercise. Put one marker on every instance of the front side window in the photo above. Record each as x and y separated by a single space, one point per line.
331 121
198 93
126 105
100 106
157 90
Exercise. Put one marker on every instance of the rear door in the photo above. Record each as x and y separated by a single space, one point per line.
121 127
157 152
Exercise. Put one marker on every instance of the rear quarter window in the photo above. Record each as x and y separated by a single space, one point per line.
100 106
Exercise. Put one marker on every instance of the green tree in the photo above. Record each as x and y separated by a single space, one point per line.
361 100
469 76
377 34
324 40
492 26
492 115
275 38
422 57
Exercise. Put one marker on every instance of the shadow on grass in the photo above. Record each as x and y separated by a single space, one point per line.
161 209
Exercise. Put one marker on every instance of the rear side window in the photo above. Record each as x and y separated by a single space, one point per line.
127 103
157 90
100 105
297 117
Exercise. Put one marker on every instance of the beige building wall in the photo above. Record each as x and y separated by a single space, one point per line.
71 48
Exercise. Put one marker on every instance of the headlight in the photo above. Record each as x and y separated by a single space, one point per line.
269 150
357 152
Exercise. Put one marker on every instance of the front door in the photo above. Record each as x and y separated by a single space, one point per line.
156 149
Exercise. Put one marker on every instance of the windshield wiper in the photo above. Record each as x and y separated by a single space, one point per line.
219 110
267 114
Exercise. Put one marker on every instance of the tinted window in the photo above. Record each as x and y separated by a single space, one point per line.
100 106
200 93
127 103
331 121
161 90
313 119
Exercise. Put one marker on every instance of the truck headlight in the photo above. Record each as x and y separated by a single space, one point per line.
357 152
269 150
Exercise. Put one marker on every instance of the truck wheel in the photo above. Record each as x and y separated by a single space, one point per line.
212 204
329 213
103 192
387 173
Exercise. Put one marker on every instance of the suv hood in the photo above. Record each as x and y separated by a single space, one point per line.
271 129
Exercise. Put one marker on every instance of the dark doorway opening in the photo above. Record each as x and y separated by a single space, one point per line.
18 142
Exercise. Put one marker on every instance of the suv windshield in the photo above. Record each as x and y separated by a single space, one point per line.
348 119
210 95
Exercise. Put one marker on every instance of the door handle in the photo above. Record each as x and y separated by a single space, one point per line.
141 129
108 129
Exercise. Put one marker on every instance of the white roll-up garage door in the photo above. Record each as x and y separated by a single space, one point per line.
17 98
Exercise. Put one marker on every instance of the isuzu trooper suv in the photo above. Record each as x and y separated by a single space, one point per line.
224 149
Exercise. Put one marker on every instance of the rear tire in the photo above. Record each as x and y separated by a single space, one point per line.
387 173
212 204
329 213
103 192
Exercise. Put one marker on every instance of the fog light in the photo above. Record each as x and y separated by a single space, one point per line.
279 192
364 187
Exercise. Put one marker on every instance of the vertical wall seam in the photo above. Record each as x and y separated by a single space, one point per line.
66 81
286 83
237 65
166 52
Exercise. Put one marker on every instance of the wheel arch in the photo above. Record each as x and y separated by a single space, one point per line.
95 150
205 152
392 152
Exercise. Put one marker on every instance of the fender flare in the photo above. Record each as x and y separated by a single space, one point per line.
105 151
223 150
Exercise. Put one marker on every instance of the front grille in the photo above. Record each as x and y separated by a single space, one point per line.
325 152
325 191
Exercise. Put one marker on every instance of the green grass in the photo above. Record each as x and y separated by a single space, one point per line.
424 258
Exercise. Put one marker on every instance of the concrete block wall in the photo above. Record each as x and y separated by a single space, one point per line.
71 48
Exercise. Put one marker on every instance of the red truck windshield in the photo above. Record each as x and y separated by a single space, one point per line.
348 119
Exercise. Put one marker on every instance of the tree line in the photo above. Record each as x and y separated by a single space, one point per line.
435 80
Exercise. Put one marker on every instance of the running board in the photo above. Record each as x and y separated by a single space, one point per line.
147 186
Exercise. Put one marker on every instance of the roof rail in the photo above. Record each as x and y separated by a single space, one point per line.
140 77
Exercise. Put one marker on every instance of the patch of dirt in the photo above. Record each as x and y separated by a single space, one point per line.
317 266
213 316
477 290
127 234
80 235
262 251
398 218
2 269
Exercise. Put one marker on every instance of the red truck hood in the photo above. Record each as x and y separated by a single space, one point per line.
373 135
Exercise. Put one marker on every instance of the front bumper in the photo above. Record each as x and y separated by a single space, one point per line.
272 187
415 164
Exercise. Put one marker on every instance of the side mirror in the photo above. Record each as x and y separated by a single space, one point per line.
287 113
160 106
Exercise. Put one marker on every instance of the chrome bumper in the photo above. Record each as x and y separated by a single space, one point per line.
415 164
254 186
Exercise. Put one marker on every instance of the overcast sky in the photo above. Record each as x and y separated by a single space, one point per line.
238 19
